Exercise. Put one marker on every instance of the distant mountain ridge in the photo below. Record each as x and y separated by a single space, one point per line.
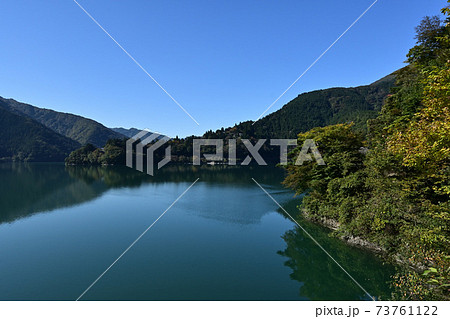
130 132
75 127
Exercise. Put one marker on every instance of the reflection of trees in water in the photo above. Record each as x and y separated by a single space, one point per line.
227 178
218 174
31 188
321 278
111 177
119 176
27 189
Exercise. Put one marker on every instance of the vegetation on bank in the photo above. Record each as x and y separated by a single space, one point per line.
112 154
391 186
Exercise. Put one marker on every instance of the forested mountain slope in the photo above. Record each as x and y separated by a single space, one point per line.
24 139
78 128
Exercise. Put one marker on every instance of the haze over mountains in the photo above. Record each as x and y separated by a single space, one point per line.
30 133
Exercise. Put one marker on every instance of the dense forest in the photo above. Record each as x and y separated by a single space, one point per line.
322 108
391 186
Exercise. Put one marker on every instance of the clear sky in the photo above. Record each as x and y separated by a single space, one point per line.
224 61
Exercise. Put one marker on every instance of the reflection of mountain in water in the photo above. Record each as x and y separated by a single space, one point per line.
27 189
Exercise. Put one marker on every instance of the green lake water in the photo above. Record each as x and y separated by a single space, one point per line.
61 227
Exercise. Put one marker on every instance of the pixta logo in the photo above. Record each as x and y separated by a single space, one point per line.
155 140
309 146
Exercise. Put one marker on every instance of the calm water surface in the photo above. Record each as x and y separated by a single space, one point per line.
61 227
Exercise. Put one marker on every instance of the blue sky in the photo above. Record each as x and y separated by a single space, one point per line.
224 61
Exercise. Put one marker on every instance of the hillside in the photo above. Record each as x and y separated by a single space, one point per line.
321 108
76 127
24 139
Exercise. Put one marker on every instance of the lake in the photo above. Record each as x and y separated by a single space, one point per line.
225 239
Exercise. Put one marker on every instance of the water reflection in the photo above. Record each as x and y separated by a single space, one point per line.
228 250
27 189
321 278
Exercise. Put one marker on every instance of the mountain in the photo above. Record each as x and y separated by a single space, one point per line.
126 132
24 139
130 132
322 108
75 127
